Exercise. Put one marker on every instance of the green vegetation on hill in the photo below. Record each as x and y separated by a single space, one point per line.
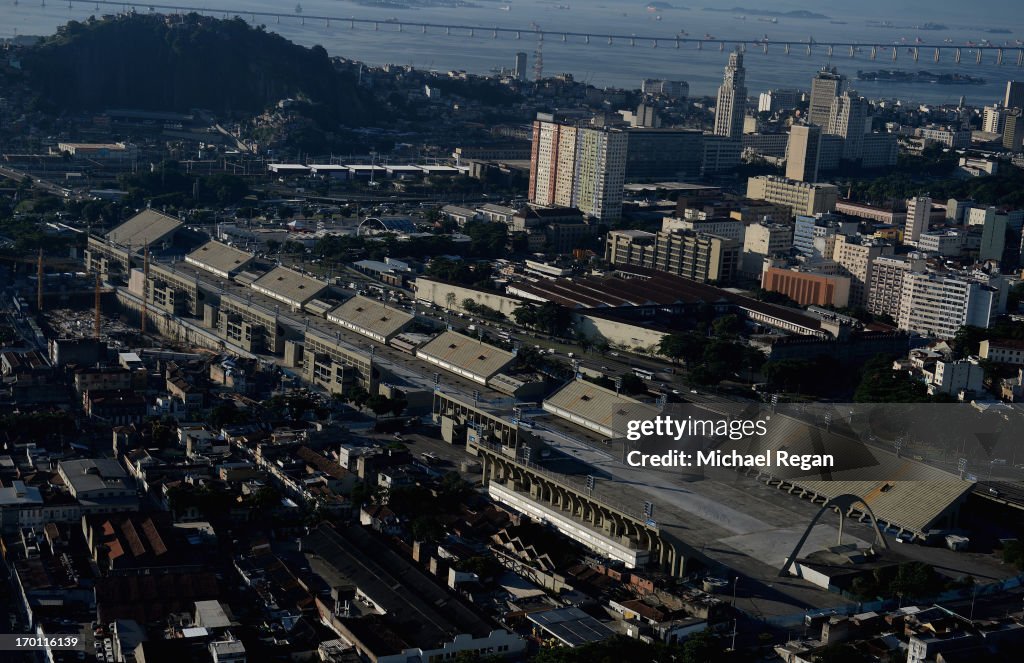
179 63
1003 188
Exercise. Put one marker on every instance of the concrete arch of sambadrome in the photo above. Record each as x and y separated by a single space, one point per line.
844 503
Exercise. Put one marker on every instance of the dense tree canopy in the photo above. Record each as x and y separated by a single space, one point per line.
146 61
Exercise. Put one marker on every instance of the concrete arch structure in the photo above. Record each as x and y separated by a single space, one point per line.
594 516
844 504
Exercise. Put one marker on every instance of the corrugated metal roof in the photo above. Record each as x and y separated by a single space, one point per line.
289 286
600 406
145 228
467 353
219 258
363 313
900 491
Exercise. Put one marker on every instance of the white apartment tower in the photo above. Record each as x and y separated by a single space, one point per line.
993 119
938 305
855 256
919 214
578 167
886 285
731 106
847 118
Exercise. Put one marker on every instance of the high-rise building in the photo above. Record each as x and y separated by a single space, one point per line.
658 155
887 274
996 227
636 248
697 256
800 197
520 67
645 117
814 234
662 88
1013 130
847 118
1014 94
826 86
773 100
802 153
879 150
764 240
993 237
578 167
942 242
993 119
855 256
957 210
940 304
731 106
699 221
721 154
919 214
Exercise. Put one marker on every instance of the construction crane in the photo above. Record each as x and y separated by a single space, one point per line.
40 261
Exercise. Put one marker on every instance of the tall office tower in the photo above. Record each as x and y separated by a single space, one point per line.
919 214
993 119
802 153
578 167
1013 131
732 99
993 236
661 155
1014 94
826 86
520 70
847 118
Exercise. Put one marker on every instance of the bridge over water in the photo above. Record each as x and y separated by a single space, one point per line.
981 52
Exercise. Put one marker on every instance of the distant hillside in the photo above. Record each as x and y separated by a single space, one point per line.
175 63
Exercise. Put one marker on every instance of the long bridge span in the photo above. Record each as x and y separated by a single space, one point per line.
978 53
